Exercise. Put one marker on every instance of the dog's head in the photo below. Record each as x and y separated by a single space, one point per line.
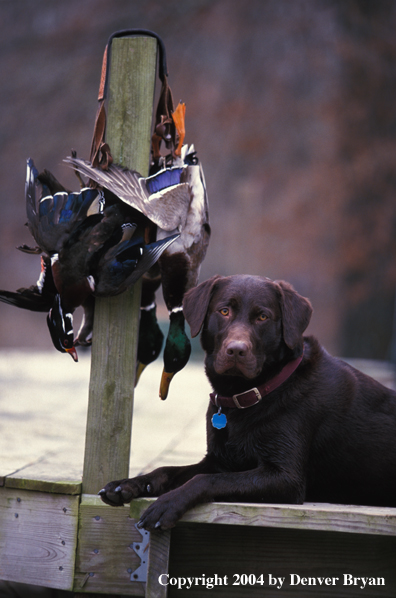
247 323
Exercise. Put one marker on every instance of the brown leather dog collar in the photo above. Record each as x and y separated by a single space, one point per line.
254 395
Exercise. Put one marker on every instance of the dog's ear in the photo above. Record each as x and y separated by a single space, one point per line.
196 303
296 314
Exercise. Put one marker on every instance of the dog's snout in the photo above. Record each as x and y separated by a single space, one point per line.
237 349
236 353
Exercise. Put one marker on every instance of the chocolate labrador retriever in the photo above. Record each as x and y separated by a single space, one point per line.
286 423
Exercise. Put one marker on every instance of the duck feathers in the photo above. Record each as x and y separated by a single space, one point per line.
52 215
164 197
122 265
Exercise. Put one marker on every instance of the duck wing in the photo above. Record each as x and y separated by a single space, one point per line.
52 216
180 264
161 197
125 263
38 297
28 298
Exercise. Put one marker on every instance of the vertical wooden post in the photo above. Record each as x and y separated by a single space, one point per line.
109 420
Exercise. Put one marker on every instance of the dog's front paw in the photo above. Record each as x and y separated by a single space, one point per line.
164 513
120 492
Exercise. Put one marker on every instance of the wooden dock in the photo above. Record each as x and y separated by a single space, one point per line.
43 412
51 535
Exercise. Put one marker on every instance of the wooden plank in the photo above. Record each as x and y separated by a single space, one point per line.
224 555
309 516
109 421
38 536
58 471
43 479
46 475
106 558
158 563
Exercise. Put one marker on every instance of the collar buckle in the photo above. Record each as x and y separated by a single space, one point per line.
241 394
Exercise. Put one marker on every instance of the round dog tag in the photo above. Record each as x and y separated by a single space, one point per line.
219 420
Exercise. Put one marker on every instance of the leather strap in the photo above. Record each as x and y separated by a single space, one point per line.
100 156
164 127
254 395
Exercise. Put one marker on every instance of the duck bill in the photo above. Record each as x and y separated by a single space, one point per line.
164 386
139 371
73 353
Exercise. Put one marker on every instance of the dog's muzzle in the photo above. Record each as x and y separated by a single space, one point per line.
236 358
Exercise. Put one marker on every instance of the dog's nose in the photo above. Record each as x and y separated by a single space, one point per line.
237 349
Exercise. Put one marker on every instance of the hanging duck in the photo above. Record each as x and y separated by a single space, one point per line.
151 338
175 199
90 247
56 218
40 298
180 266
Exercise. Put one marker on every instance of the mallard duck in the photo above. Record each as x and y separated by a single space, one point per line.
175 199
91 247
180 265
151 337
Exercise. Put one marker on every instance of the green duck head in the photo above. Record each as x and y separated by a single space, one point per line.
177 351
150 339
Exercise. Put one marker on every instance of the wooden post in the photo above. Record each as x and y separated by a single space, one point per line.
109 419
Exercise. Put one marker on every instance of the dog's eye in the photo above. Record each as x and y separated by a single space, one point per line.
224 311
262 318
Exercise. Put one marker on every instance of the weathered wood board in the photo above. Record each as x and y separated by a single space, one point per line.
106 559
38 537
158 563
57 473
309 516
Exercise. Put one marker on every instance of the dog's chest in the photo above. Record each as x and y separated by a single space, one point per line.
235 447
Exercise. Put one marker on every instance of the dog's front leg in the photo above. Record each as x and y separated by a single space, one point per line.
156 483
257 485
171 506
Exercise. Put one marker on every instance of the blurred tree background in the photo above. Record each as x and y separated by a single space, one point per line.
292 108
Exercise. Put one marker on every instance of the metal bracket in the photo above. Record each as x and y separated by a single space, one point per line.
141 549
